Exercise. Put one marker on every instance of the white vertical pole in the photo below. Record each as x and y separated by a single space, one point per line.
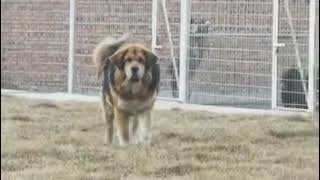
72 16
184 47
154 25
274 97
312 28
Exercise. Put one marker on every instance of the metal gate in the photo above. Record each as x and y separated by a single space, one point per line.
237 53
295 71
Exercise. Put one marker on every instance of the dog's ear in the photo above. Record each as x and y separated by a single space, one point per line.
118 58
104 49
151 59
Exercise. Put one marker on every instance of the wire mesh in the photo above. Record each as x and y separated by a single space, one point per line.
231 53
34 44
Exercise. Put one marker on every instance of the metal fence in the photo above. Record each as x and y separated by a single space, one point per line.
240 53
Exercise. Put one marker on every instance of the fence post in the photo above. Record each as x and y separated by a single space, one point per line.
72 16
311 72
154 25
275 47
184 48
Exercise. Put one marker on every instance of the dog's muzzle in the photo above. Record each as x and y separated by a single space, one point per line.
135 76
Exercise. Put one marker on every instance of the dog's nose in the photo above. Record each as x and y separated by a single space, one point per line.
134 70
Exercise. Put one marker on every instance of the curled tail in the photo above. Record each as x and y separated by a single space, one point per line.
105 49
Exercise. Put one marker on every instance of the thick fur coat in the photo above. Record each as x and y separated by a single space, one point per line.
131 76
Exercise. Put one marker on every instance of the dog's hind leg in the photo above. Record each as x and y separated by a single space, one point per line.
108 116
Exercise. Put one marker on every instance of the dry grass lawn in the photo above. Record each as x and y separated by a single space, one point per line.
50 140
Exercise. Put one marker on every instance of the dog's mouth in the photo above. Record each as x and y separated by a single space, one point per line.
135 79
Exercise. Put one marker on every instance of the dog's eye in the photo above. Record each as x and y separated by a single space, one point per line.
140 60
129 59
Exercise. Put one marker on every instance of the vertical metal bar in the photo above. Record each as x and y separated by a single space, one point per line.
274 97
312 28
72 15
184 47
154 24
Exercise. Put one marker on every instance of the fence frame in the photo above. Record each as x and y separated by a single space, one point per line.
71 55
311 68
185 11
275 46
154 25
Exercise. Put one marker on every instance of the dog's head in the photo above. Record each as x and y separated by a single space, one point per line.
134 60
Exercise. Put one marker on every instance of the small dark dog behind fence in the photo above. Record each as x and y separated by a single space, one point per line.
292 92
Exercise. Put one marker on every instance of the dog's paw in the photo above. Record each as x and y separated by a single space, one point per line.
134 139
107 141
145 136
123 144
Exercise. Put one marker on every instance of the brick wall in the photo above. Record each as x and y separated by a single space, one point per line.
34 44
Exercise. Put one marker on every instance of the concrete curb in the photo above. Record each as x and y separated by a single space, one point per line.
160 104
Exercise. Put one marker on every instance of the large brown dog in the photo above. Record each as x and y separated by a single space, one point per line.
130 87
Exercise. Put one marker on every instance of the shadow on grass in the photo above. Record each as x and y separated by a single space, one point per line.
45 105
20 118
292 134
175 170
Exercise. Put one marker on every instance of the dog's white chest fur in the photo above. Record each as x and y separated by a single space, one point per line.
136 105
135 87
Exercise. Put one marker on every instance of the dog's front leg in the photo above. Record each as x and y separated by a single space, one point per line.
145 134
133 129
122 119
